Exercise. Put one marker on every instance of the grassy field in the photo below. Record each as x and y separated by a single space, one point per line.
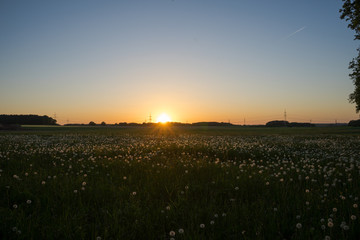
180 183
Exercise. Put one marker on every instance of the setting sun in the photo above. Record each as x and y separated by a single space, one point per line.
163 118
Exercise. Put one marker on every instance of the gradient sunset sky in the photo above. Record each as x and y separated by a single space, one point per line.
196 60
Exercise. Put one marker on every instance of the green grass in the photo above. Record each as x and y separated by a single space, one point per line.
144 183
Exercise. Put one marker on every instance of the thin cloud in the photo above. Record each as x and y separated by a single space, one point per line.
292 34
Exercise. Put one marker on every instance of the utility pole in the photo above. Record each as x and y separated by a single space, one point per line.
285 115
150 118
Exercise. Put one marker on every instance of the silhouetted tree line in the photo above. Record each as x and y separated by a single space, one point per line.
354 123
131 124
215 124
279 123
26 120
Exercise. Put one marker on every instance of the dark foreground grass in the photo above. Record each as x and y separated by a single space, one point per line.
103 183
177 130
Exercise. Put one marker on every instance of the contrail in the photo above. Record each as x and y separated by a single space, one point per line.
292 34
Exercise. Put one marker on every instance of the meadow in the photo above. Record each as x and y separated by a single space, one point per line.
180 183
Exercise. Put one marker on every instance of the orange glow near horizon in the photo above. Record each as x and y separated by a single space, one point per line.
163 118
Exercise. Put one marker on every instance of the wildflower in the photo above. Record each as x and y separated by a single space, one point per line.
355 205
168 208
15 206
353 217
83 183
202 225
330 224
124 177
133 193
181 231
327 238
223 214
28 201
43 182
342 224
212 222
334 209
298 225
75 191
172 233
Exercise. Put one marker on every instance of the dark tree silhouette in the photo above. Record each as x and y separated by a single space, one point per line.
103 124
351 12
354 123
92 123
27 119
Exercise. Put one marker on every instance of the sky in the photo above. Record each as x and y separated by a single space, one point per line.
196 60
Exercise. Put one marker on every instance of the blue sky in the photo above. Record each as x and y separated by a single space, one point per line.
195 60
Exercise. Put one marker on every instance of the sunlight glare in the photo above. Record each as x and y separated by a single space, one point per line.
163 118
